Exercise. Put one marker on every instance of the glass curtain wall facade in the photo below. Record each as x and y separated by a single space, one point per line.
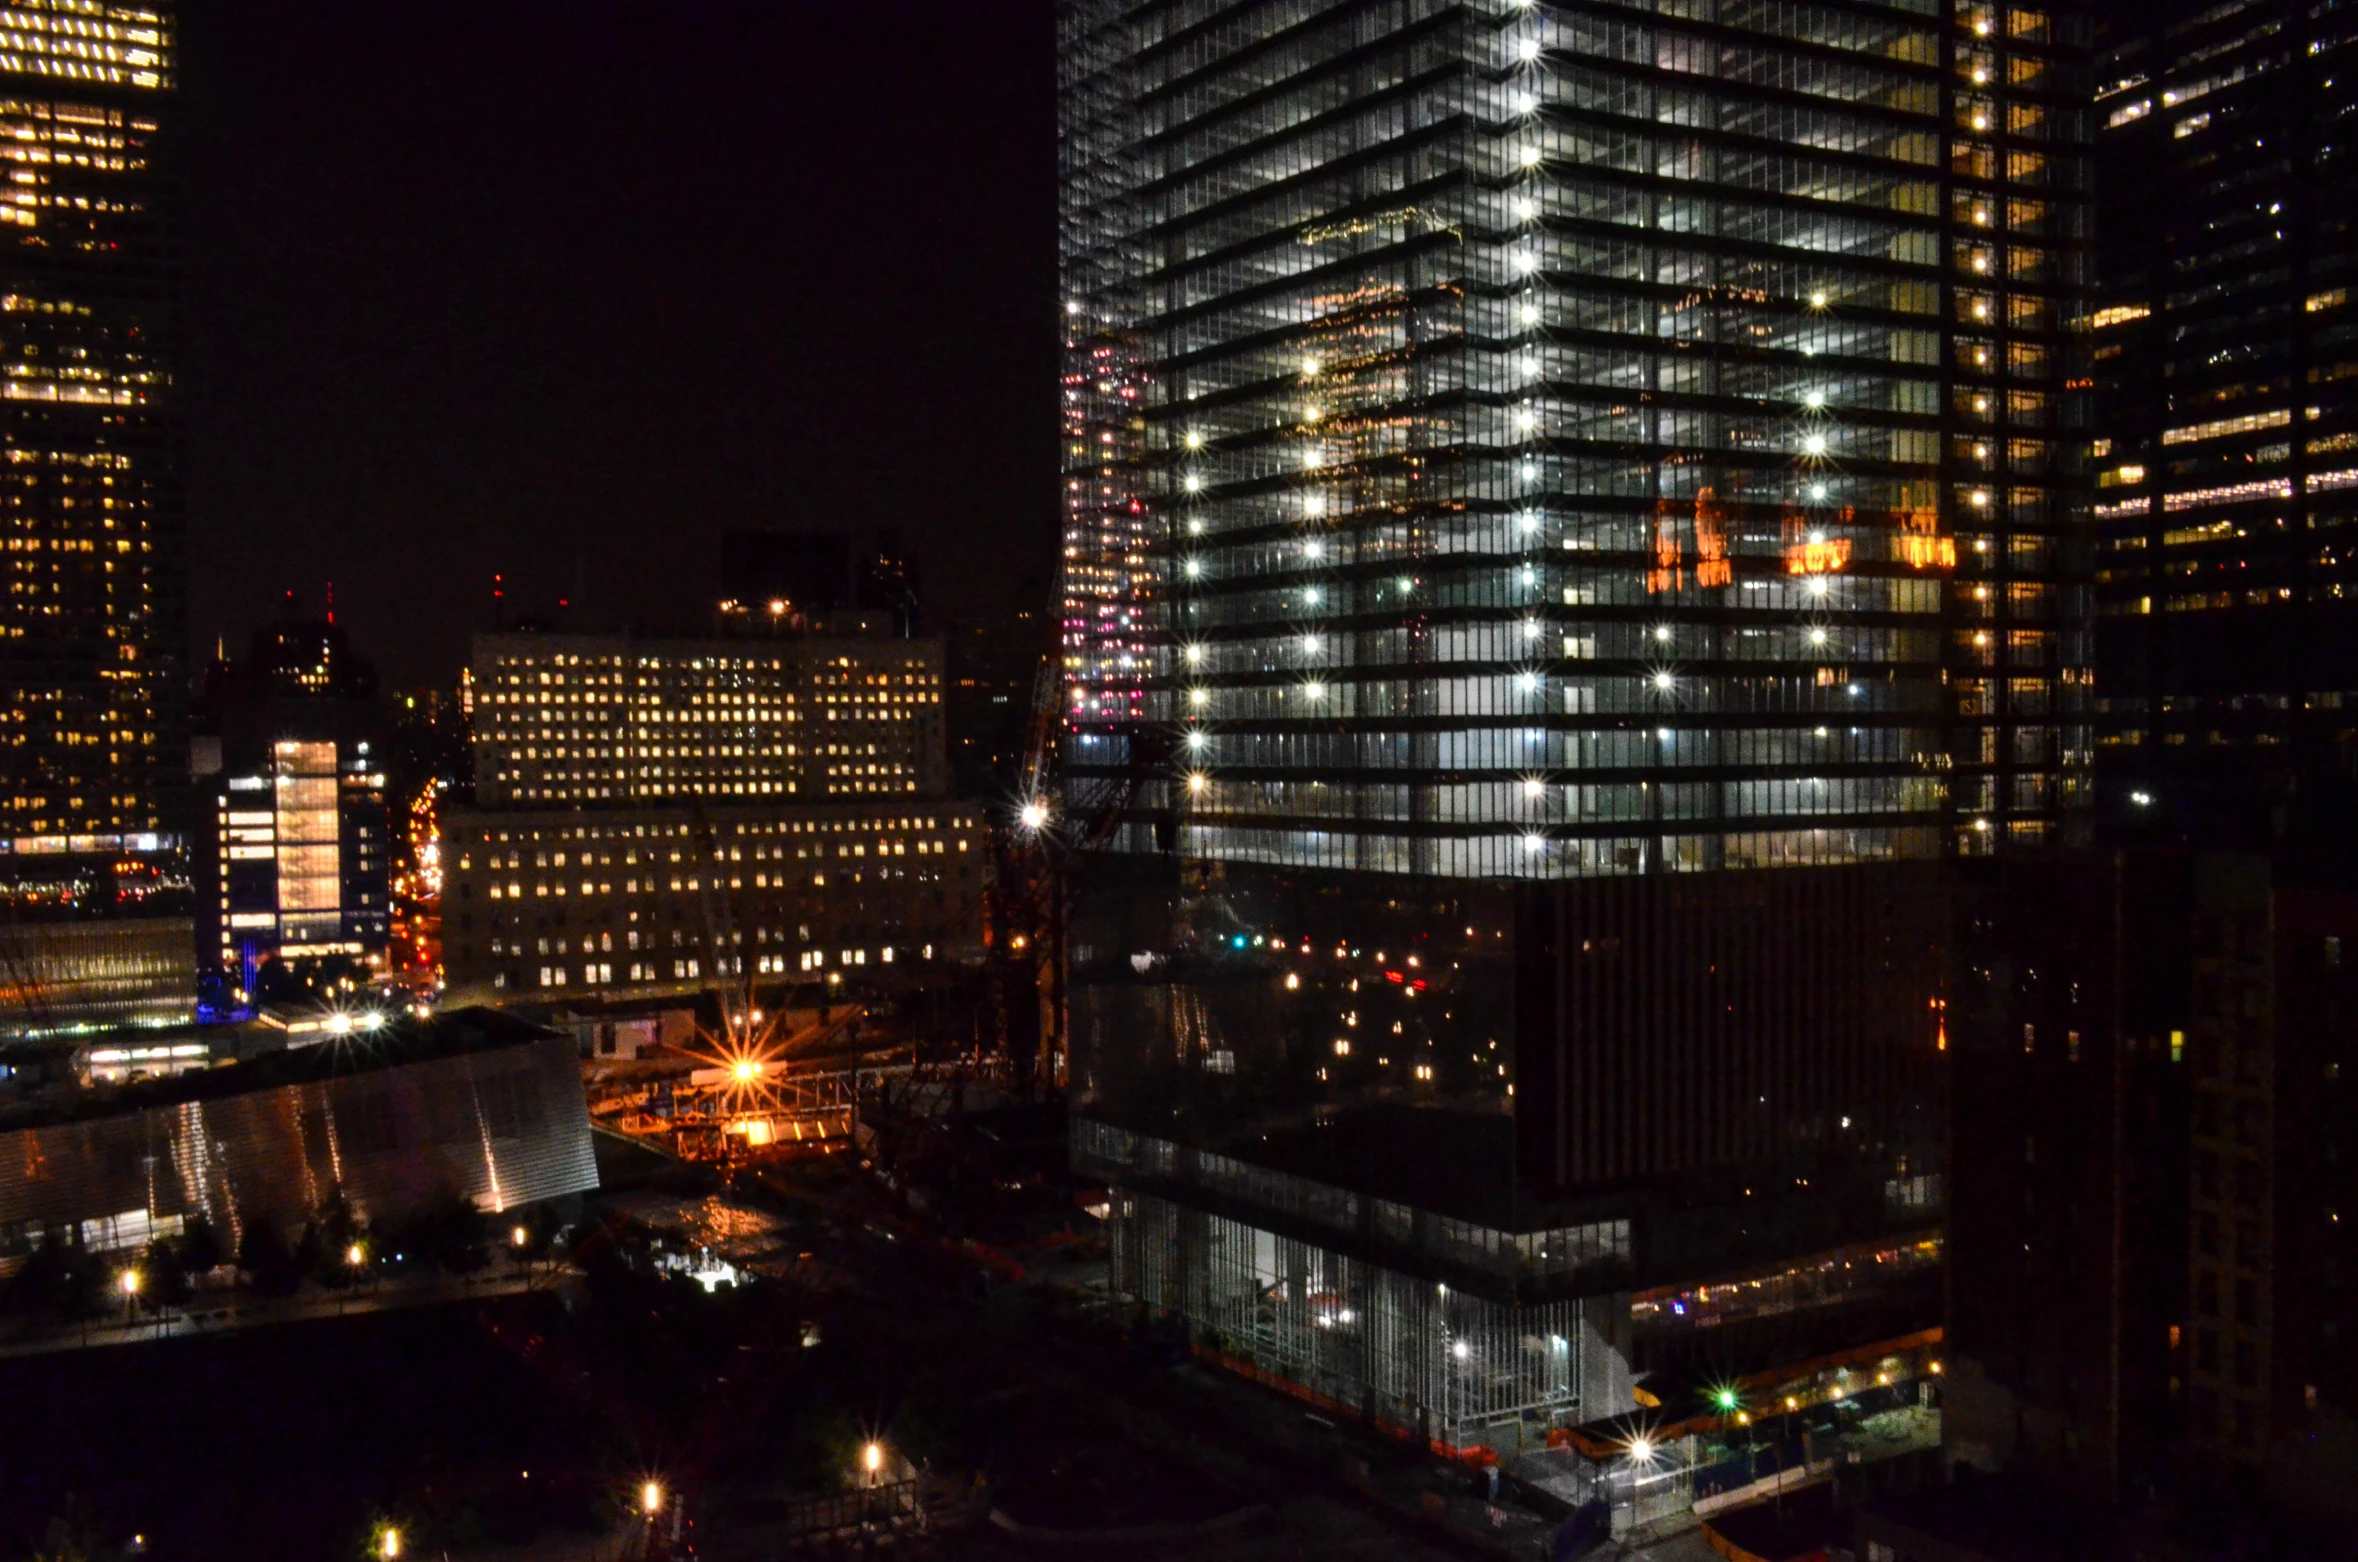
1583 440
91 618
1573 445
2226 357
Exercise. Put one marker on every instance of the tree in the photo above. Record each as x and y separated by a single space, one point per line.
164 1276
71 1536
40 1286
62 1280
448 1232
329 1236
199 1247
268 1262
539 1228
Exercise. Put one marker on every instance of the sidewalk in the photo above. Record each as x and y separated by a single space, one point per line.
230 1313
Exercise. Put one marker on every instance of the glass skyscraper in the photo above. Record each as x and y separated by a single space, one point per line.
1600 528
2227 468
92 618
2226 360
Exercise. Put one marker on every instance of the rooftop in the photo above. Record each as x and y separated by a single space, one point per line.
402 1040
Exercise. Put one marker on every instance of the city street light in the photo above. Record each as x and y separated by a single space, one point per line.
389 1542
651 1498
872 1459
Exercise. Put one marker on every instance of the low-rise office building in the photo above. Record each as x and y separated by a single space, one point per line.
602 721
657 815
639 902
473 1101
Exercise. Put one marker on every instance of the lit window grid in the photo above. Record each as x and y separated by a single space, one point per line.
83 44
1294 446
606 722
560 896
88 506
1107 577
2205 536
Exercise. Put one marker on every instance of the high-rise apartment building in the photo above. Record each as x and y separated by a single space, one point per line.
656 815
2226 357
293 850
1606 533
92 618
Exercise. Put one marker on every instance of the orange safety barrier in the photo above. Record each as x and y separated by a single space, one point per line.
1479 1456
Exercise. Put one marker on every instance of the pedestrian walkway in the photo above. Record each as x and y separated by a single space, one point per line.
243 1310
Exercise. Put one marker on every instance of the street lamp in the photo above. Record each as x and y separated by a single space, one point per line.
651 1499
354 1257
389 1542
129 1281
872 1460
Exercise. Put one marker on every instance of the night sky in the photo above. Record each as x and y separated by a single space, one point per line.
562 288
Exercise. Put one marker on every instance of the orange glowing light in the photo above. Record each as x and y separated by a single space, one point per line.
1669 572
1711 544
1929 552
1817 558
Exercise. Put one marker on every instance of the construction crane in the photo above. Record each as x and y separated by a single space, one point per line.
1061 815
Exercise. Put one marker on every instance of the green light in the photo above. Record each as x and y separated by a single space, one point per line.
1726 1398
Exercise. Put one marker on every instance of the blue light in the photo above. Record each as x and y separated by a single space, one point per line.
1238 941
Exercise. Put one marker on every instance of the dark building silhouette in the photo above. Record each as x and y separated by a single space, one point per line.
809 576
2068 1008
2150 1291
2272 1030
888 583
810 572
2226 356
993 668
